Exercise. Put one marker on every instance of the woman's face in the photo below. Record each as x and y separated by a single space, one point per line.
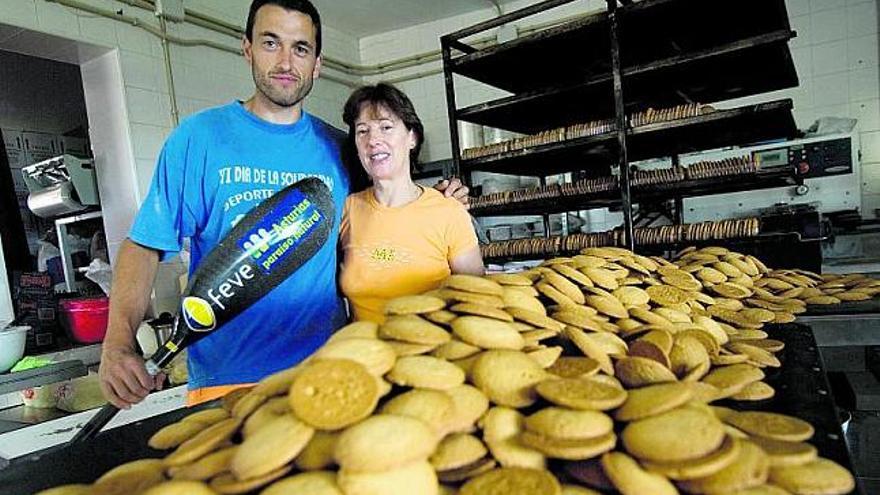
383 143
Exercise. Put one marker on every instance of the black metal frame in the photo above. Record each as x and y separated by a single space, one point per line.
768 39
624 172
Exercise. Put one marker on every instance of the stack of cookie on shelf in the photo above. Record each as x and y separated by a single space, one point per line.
598 372
548 191
727 167
646 178
654 116
589 186
644 236
586 129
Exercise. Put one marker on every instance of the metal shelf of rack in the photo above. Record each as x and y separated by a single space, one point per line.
685 189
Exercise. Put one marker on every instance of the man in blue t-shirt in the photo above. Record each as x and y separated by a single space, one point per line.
214 168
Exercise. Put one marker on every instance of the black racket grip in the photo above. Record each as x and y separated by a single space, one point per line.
95 425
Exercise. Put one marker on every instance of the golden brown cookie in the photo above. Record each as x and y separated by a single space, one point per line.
545 357
412 305
212 415
456 451
228 483
310 483
554 294
574 367
510 279
771 425
432 407
755 391
701 467
630 479
481 310
376 356
443 317
487 333
502 427
786 453
413 329
403 439
70 489
455 349
205 442
403 349
178 488
270 448
636 372
732 379
513 481
821 476
750 469
588 345
562 423
569 449
417 478
464 296
334 393
470 404
361 329
131 477
207 467
175 434
471 283
653 399
532 318
666 295
565 286
508 378
631 296
581 393
425 372
318 453
681 434
608 305
515 298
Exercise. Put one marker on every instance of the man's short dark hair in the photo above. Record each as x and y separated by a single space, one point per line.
391 98
303 6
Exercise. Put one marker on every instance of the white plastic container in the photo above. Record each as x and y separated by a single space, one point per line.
12 341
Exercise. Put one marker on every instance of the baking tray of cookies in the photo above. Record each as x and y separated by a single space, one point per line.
84 462
802 390
845 308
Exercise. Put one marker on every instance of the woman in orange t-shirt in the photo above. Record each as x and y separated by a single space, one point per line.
397 237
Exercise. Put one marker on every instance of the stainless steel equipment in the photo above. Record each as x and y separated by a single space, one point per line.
829 164
61 186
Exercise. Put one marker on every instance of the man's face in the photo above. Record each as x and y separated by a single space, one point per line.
282 55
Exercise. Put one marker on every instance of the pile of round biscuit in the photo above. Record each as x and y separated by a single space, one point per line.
590 374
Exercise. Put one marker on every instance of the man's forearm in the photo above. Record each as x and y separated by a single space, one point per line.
133 278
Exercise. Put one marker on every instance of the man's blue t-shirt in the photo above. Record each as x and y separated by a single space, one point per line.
215 167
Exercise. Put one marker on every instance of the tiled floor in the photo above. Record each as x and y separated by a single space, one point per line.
863 439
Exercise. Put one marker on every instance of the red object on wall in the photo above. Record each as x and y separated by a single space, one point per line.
85 319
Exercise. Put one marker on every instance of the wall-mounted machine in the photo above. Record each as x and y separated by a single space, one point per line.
829 167
61 186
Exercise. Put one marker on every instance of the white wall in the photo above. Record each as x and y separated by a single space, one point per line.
836 54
